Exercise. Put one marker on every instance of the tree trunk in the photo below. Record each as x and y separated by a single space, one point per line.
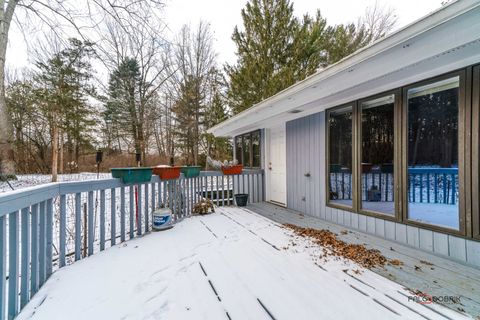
7 163
60 165
54 153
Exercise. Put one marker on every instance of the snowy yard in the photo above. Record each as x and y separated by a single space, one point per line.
28 180
233 264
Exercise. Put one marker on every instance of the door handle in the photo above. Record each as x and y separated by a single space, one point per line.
307 174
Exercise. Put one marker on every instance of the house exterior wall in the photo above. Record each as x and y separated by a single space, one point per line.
306 164
305 139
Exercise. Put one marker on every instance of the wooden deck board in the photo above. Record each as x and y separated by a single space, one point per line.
446 278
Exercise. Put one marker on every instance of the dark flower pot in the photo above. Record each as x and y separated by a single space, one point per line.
241 199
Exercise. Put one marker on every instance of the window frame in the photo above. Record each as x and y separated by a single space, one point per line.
468 157
396 151
462 131
354 207
240 157
475 151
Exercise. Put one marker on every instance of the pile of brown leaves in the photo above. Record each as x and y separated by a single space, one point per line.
358 253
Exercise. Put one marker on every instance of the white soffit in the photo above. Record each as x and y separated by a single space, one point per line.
443 41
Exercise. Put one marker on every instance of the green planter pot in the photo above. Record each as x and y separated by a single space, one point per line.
191 171
132 175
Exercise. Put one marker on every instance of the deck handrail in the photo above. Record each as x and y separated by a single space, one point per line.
38 220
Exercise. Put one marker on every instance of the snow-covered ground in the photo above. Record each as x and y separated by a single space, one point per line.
28 180
233 264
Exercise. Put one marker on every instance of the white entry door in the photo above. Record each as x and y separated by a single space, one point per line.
276 166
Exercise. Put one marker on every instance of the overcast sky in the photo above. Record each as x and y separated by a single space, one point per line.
225 14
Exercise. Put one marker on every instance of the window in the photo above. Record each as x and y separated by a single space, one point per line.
433 153
404 156
238 149
340 179
247 149
377 147
256 149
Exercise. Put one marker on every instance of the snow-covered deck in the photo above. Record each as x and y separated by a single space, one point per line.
233 264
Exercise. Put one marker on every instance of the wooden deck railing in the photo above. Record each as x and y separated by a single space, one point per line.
46 227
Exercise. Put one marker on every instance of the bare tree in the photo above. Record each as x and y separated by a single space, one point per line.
378 21
140 41
59 16
195 58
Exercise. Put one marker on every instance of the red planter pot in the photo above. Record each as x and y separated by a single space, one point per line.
167 173
236 169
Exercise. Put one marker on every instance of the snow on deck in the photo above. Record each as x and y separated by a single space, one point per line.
227 265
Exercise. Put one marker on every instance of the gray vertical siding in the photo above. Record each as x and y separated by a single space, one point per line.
305 154
305 139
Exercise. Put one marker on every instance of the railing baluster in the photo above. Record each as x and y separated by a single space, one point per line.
178 185
3 266
250 188
428 187
63 229
234 187
421 188
102 220
13 264
78 226
139 208
174 199
254 188
90 223
146 207
122 214
42 245
217 195
153 197
25 243
194 194
164 190
231 192
454 191
113 220
223 190
190 201
132 211
34 252
159 199
197 186
444 188
49 231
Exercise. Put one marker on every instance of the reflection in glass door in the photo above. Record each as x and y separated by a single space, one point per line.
433 153
377 155
340 178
